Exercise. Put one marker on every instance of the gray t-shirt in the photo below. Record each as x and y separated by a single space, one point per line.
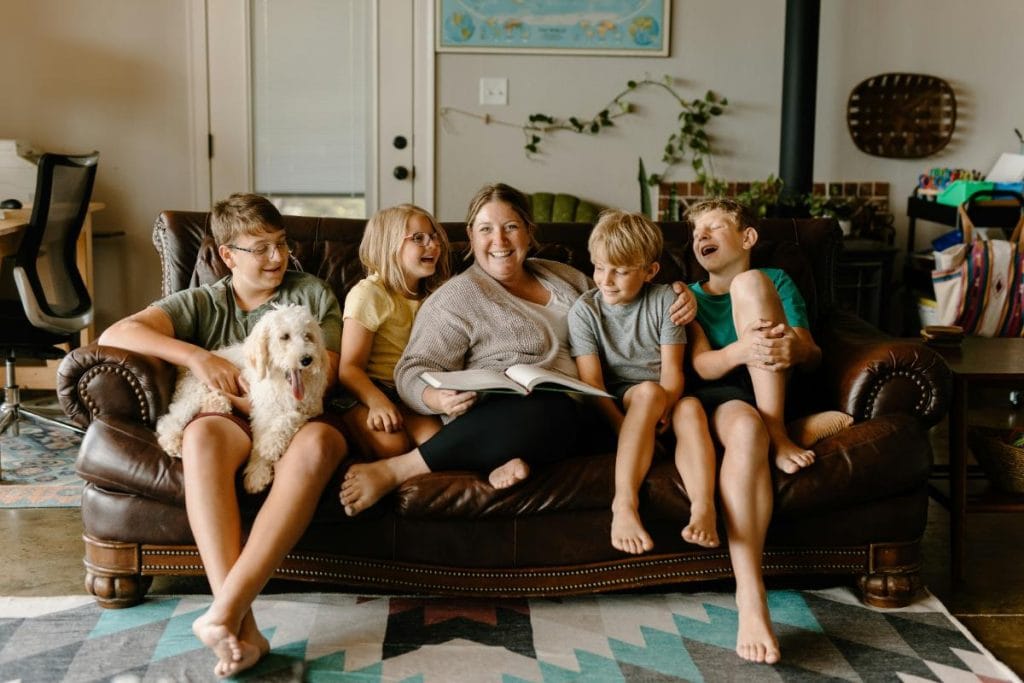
208 315
627 337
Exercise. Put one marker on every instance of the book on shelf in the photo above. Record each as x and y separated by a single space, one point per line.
519 379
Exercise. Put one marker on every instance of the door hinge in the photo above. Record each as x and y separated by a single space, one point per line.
209 145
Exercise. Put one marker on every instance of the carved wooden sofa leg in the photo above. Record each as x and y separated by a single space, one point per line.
113 573
893 578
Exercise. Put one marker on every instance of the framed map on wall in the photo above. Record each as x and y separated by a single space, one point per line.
638 28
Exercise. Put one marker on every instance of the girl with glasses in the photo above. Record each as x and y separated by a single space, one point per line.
405 254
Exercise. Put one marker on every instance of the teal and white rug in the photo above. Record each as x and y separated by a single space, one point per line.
825 635
39 468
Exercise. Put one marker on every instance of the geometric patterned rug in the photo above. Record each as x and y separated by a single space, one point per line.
39 468
824 635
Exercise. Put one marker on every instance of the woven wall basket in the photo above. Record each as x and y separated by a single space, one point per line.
901 116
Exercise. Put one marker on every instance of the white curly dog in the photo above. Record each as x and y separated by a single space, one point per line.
284 363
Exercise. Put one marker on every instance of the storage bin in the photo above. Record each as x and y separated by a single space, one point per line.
958 191
1003 462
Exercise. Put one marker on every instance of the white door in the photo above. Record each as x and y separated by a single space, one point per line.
324 105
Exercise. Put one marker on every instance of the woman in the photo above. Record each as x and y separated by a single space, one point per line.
503 310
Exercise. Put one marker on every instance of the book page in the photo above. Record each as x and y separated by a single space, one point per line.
534 377
472 380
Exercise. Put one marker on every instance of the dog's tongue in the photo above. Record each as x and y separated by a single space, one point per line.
298 390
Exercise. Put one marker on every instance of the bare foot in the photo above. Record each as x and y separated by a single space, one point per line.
509 474
365 484
755 639
218 638
254 647
702 529
628 533
791 458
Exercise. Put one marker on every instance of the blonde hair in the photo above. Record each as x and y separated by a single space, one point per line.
243 214
626 239
740 214
382 243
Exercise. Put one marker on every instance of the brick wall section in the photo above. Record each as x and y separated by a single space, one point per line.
672 207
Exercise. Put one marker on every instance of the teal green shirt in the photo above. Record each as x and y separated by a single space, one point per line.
714 311
208 315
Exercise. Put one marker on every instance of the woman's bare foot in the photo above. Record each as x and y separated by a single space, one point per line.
628 533
703 527
509 474
755 638
221 640
365 484
789 457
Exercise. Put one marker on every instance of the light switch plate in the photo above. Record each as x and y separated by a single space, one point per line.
494 91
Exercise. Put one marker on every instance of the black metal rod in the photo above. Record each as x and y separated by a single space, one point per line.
799 93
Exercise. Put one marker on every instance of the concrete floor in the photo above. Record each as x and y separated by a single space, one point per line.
42 552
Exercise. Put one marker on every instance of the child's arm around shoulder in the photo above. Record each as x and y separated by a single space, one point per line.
151 332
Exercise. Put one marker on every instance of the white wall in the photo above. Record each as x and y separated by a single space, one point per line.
735 47
109 75
113 75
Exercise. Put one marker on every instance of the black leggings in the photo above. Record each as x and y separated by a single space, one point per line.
543 427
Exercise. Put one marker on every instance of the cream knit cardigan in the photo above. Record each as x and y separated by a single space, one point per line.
471 321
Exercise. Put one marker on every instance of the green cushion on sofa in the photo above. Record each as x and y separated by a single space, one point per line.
562 208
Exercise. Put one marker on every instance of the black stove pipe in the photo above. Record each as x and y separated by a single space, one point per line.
799 93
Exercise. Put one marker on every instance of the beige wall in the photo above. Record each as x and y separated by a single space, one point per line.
109 75
735 47
113 75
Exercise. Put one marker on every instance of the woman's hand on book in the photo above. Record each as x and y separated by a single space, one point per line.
449 402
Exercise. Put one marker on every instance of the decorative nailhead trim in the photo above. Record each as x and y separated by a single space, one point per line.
125 374
883 376
370 577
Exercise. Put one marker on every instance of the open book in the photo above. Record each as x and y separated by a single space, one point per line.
519 379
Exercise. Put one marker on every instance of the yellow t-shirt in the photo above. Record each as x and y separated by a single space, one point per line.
389 316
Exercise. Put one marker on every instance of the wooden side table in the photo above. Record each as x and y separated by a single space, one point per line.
977 361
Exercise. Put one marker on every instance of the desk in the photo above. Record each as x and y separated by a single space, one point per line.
978 360
12 225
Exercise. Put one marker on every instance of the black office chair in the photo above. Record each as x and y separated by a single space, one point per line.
43 298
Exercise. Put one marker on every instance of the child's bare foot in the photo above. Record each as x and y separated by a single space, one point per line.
628 533
755 639
254 647
702 529
221 640
791 458
365 484
509 474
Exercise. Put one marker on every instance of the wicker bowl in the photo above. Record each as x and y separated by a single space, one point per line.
1003 462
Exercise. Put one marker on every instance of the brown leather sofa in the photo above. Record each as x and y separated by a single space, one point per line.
859 511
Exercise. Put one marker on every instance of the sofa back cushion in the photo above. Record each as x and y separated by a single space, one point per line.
807 249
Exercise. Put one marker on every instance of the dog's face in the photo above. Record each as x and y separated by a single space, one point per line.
288 341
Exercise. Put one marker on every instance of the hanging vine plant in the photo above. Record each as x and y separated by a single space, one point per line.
690 141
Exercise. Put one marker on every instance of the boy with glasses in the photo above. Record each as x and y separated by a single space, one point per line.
182 329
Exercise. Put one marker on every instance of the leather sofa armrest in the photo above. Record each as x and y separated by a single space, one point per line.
99 380
874 374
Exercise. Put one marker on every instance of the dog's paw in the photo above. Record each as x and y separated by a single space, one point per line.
258 475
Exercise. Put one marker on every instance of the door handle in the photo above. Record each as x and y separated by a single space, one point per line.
401 172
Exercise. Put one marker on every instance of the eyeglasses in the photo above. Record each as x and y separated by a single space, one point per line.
423 239
262 251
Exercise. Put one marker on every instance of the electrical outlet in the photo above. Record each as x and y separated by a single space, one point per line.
494 91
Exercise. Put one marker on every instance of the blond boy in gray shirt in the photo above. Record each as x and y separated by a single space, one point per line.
623 342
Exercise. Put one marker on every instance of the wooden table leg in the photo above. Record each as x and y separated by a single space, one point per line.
957 478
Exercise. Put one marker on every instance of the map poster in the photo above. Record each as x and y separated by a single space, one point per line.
611 27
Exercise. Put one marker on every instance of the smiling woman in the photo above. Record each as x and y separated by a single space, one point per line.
505 309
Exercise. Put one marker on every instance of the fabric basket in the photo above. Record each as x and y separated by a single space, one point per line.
1002 462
